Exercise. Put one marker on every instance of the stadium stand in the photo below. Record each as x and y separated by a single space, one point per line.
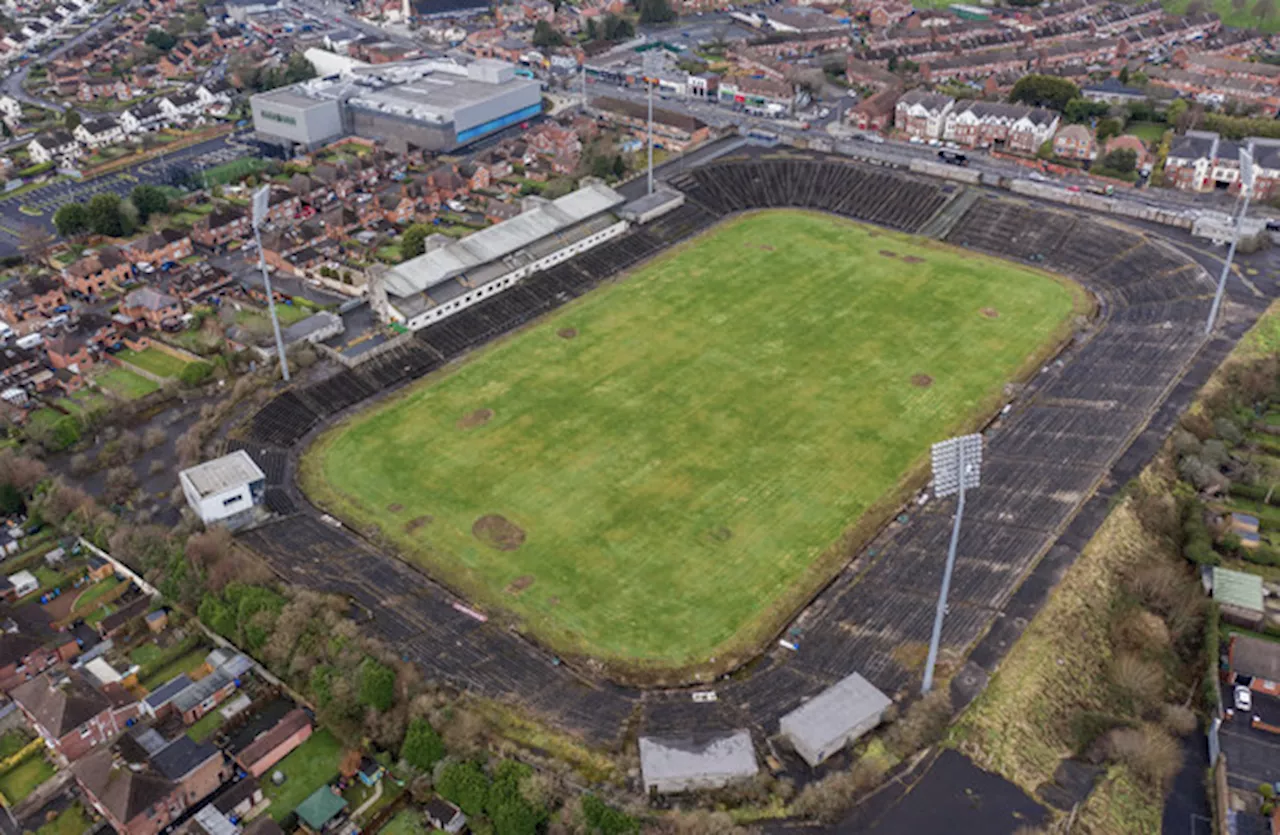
1072 429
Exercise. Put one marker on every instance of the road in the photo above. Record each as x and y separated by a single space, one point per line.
336 11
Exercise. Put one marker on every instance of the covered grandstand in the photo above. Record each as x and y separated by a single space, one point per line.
452 277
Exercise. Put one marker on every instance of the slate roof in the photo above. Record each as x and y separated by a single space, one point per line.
1255 657
61 709
269 741
125 793
182 756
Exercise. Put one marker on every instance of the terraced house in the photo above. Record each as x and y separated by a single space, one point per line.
93 274
71 716
160 247
221 227
980 124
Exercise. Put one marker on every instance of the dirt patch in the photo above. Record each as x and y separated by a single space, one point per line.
415 523
888 253
721 534
553 601
913 259
990 313
873 234
498 532
567 333
395 507
911 654
921 381
520 583
765 247
477 418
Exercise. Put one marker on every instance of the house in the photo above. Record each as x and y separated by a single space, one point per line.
1112 91
56 145
876 112
158 702
1075 142
165 246
151 306
1190 161
93 274
35 297
221 226
1255 663
275 744
22 657
99 132
71 716
143 117
149 783
237 801
123 617
78 349
922 115
669 766
674 131
443 815
212 690
322 810
985 124
100 569
1129 142
226 490
10 109
834 718
181 104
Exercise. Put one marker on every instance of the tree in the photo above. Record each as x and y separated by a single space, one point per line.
1108 128
121 482
160 39
1082 110
377 685
422 747
195 22
298 69
655 11
1044 91
71 119
105 215
34 241
466 785
546 36
148 200
414 240
605 819
614 28
1122 160
195 373
71 220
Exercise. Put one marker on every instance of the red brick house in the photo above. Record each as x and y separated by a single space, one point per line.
97 272
160 247
22 657
151 306
1075 142
141 792
78 349
222 226
275 744
1129 142
31 298
73 718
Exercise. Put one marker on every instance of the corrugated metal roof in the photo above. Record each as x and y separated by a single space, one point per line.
426 271
1236 588
234 470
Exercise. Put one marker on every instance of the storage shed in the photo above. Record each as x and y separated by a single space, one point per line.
688 763
835 717
225 490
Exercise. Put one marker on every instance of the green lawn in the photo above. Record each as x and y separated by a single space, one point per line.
259 321
683 465
71 821
1148 132
125 384
155 361
22 779
95 593
13 741
405 822
234 171
205 726
307 768
184 663
145 654
1243 18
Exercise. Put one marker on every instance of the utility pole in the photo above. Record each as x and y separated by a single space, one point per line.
651 136
1246 188
260 204
957 465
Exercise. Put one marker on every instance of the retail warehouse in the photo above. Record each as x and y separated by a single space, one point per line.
438 104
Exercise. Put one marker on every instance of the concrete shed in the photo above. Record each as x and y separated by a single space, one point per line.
835 717
670 765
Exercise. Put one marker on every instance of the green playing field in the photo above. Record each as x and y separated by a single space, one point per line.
661 472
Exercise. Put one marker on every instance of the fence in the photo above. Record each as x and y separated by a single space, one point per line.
120 567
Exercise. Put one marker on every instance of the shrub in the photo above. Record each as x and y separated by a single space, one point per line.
605 819
921 725
1136 681
1197 543
1141 631
377 685
830 798
195 373
464 784
422 747
1178 720
1228 431
1151 753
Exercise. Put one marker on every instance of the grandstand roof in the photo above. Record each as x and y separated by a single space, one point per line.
541 221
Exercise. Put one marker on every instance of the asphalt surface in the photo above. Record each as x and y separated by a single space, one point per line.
159 171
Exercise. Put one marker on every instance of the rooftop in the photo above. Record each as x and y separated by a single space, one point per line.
694 759
834 712
1255 657
234 470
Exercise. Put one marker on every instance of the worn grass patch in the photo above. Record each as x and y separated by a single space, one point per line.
684 467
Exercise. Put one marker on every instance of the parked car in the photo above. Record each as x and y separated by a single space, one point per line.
1243 699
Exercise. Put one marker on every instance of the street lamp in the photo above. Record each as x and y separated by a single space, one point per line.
1246 188
957 466
261 198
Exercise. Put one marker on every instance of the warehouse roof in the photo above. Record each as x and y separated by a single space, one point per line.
234 470
541 221
834 712
690 760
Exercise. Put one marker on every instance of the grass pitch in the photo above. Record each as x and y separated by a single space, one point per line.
676 460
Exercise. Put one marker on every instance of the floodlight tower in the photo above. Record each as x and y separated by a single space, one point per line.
957 466
1247 174
650 72
260 202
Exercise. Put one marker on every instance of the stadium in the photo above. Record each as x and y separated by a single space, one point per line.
850 586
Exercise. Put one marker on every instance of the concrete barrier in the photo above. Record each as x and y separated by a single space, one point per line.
946 172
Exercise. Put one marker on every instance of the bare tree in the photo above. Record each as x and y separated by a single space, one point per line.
34 241
121 482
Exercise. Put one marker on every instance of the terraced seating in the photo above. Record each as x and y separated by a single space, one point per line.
283 420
